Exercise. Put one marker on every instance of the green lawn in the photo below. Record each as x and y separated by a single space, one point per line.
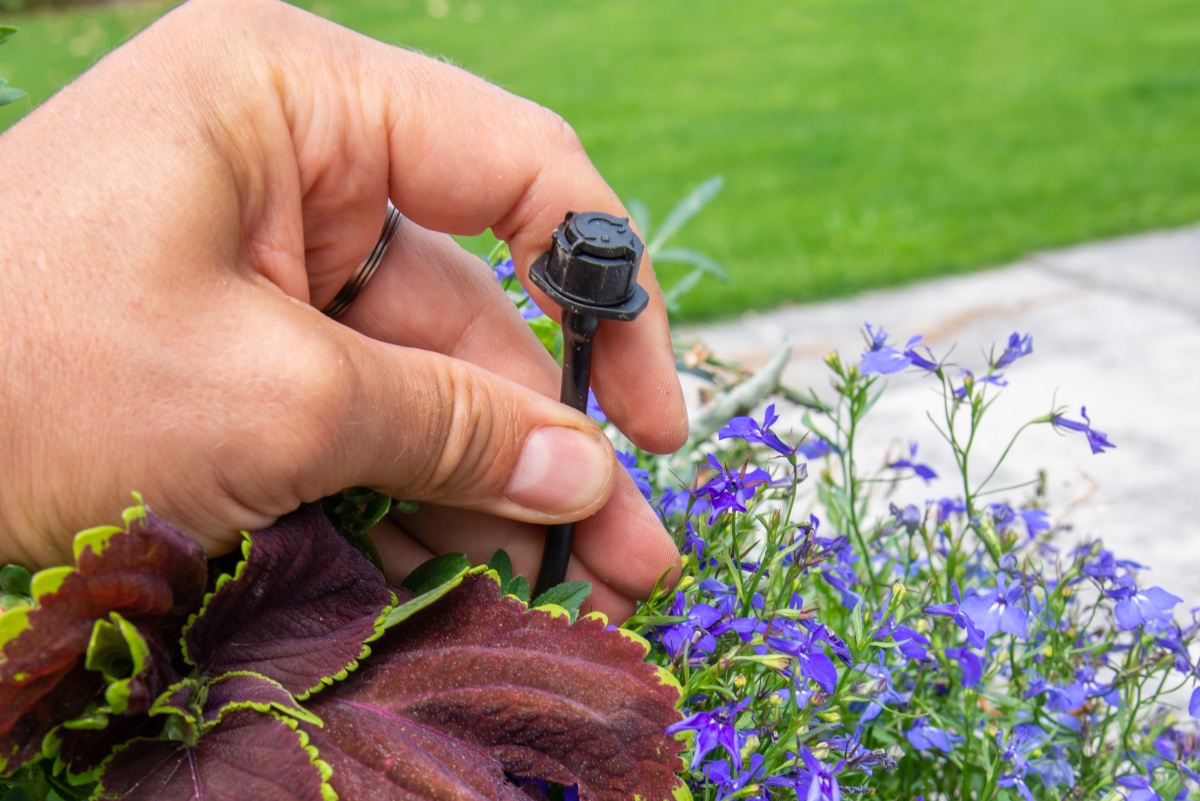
863 142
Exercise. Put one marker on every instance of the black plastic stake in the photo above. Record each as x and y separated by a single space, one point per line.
591 271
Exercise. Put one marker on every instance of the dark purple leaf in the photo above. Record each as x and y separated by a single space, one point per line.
247 755
476 685
300 608
250 691
150 573
381 757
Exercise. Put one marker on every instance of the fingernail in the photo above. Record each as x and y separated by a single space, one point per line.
560 470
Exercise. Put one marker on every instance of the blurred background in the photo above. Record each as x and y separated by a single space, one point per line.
863 143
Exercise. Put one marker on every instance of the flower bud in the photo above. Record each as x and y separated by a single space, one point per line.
776 662
750 747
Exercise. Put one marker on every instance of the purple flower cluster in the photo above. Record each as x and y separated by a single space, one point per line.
923 638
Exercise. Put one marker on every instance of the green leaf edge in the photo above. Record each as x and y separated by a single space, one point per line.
160 707
116 694
404 611
379 626
96 538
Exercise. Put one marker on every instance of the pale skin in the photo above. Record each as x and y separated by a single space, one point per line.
175 219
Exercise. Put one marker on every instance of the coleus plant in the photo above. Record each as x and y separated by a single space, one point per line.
299 674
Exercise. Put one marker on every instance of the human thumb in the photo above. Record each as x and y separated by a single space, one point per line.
423 426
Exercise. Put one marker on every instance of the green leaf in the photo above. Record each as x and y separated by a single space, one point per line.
118 652
448 569
569 595
353 513
640 214
519 587
15 580
704 264
8 95
684 211
549 334
6 32
502 564
516 586
436 572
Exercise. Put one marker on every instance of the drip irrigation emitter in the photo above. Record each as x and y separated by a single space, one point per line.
591 272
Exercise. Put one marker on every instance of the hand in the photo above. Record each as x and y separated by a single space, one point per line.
175 219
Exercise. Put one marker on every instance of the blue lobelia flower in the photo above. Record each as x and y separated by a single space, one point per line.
750 430
909 641
715 729
929 738
1138 788
814 663
1180 747
880 689
1136 607
692 542
969 380
946 507
640 475
1104 565
729 489
816 781
924 471
504 269
975 637
1018 346
970 662
1004 517
996 609
1019 744
729 784
693 633
814 447
1097 440
881 358
594 411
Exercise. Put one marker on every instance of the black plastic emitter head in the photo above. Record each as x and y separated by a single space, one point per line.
592 267
591 271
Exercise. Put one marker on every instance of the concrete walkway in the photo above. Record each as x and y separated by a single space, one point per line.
1116 328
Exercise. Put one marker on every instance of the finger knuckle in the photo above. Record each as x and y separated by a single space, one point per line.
317 399
471 435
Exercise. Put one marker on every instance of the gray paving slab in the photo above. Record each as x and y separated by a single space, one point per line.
1116 328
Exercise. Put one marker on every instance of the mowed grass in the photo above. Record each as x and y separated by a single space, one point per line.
863 143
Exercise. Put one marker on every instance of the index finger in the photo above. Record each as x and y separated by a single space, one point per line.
465 156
